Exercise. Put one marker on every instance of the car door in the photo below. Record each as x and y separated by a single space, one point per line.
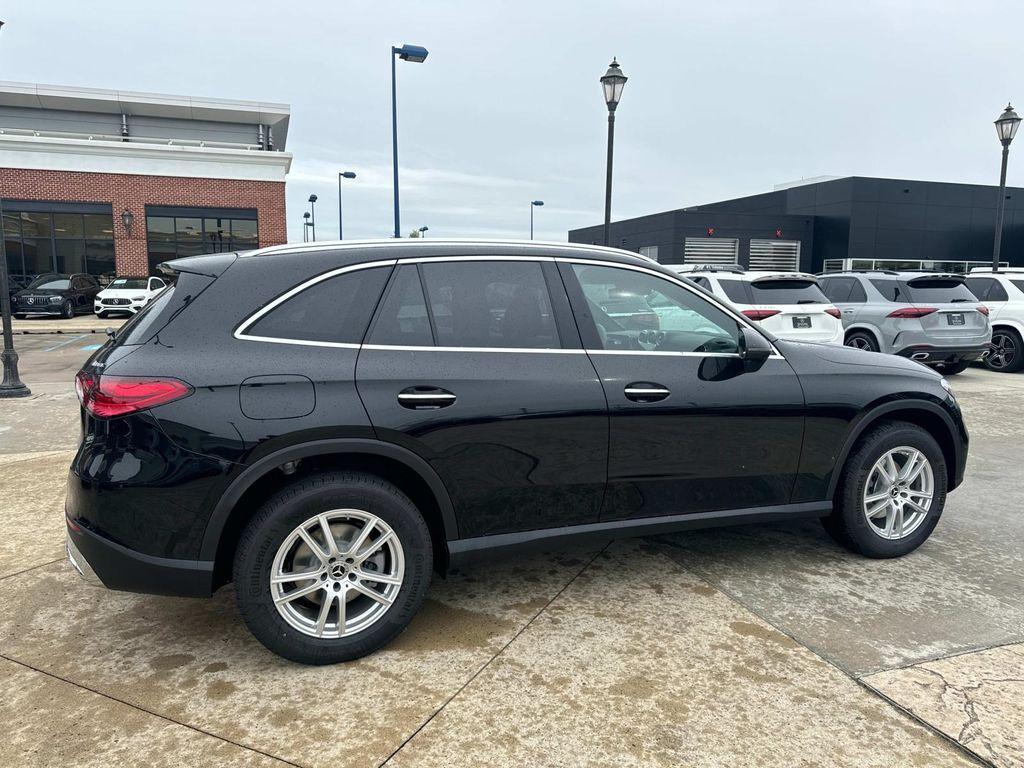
476 365
691 429
847 294
79 290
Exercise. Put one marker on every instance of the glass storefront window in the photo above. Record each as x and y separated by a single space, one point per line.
198 230
46 237
70 256
68 225
35 224
98 226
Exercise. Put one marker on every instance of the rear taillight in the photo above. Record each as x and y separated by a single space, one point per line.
912 312
834 312
109 396
983 310
760 314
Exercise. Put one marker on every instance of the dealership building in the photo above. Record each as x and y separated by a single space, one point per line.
825 224
114 182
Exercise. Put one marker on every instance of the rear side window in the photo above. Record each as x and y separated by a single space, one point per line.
402 319
987 289
336 310
1018 284
150 319
890 290
736 290
490 304
787 292
837 288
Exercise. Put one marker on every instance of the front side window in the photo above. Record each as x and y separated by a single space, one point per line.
335 310
490 304
635 311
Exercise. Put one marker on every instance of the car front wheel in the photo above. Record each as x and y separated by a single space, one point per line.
67 310
332 568
891 492
1007 355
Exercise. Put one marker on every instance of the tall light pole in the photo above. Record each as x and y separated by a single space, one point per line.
342 175
533 204
612 82
312 208
305 227
1006 128
416 54
423 231
11 385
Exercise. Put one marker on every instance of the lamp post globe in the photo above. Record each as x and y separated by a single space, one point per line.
312 208
1006 128
612 83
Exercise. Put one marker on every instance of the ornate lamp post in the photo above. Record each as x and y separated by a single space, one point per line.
1006 129
612 83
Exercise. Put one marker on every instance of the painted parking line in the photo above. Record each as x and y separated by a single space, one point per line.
91 347
65 343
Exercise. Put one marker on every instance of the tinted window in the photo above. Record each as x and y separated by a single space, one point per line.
737 291
837 288
987 288
857 294
402 319
337 309
490 304
938 290
890 290
128 283
787 292
669 318
1018 284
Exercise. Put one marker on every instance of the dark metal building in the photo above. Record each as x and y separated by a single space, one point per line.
852 221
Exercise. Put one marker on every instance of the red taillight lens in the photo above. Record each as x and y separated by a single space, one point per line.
983 310
760 314
834 312
109 396
912 312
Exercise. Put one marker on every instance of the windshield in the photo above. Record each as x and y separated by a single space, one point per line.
129 283
51 282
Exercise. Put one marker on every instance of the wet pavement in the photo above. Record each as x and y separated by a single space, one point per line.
760 645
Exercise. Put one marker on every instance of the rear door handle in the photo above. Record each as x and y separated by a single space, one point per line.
645 392
425 398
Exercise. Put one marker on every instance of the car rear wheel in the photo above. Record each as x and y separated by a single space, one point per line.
20 317
862 340
891 492
1007 355
67 309
332 568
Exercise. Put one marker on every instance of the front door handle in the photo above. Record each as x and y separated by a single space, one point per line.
425 398
645 392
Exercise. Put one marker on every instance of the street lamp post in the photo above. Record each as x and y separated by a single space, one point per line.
312 208
342 175
416 54
612 83
423 231
533 204
1006 129
11 385
305 227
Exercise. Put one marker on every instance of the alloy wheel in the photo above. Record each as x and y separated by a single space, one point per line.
337 573
1004 351
898 493
859 342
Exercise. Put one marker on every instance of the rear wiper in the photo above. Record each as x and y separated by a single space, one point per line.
810 301
954 301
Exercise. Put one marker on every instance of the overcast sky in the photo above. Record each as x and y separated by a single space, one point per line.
724 98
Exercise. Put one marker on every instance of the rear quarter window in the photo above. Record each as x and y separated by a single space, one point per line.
336 309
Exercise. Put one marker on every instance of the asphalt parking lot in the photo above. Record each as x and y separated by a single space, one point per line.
758 645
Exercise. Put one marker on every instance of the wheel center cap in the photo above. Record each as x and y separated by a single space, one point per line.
894 491
338 571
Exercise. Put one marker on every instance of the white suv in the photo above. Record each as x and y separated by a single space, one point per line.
787 304
1003 294
127 294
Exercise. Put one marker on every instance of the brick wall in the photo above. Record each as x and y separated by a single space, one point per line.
135 192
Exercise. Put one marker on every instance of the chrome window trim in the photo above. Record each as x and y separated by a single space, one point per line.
714 300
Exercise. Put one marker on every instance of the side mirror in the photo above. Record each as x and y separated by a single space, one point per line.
754 348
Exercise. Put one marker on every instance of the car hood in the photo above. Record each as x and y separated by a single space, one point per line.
121 293
856 357
42 292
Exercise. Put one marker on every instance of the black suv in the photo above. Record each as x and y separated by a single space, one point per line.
62 295
326 425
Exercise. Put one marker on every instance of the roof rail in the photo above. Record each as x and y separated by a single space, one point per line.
733 268
860 272
333 245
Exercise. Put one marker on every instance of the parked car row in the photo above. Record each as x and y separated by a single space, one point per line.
68 295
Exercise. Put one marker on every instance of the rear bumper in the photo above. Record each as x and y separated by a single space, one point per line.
930 354
103 562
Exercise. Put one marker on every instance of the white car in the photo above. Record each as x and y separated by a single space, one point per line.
787 304
1003 294
127 294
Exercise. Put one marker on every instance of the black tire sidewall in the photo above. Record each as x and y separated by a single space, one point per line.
67 309
1018 361
281 515
851 526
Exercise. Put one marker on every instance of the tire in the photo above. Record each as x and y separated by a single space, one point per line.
1008 355
848 524
20 317
101 315
952 369
264 546
67 310
862 340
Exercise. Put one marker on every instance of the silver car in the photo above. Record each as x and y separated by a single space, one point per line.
929 317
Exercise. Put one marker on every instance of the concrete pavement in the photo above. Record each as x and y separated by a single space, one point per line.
763 646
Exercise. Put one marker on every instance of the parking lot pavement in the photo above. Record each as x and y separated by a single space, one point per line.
78 324
761 645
